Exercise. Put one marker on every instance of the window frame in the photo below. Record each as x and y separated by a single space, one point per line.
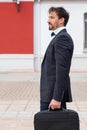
85 30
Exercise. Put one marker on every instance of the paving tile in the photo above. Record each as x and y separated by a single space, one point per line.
25 114
16 108
83 125
11 114
20 102
11 122
5 102
3 107
8 128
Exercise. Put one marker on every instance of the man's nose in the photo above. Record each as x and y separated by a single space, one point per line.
48 21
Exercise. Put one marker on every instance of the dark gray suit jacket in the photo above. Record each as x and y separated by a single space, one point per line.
55 81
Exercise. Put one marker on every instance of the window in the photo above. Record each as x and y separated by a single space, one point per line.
85 29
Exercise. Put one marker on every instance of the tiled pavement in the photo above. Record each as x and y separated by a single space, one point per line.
19 99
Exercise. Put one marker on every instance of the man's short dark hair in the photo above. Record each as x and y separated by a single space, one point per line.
61 13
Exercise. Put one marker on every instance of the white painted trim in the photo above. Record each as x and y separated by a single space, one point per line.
16 56
19 62
84 55
79 62
37 36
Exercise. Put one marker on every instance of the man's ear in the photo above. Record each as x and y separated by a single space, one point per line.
62 21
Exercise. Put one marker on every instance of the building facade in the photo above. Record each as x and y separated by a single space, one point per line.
25 35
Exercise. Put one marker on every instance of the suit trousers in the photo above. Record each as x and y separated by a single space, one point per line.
44 105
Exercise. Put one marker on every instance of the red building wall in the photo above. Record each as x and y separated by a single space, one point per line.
16 28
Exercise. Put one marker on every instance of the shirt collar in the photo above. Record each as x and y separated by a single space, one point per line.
58 30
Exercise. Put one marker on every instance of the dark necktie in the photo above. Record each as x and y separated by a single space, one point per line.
52 34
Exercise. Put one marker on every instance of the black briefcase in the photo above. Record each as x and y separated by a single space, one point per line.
56 120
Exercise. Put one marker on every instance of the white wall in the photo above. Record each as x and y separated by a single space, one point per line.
16 62
75 27
42 38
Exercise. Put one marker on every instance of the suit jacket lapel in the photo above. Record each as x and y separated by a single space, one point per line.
47 49
64 30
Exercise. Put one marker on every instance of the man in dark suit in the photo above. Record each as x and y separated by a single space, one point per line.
55 89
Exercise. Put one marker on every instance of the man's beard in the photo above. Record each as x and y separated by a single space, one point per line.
50 27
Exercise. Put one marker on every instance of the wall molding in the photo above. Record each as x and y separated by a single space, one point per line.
12 62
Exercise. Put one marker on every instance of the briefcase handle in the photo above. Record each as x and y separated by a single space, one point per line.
57 109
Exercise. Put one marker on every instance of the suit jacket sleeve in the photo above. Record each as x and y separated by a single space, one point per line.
63 54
